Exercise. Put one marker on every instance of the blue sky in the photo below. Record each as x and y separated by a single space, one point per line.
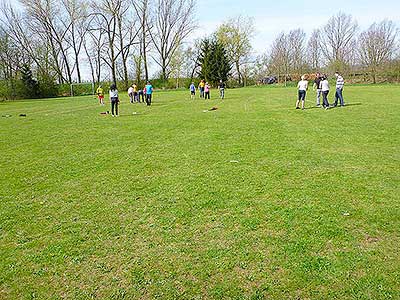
275 16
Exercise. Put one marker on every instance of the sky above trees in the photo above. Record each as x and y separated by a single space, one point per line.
273 17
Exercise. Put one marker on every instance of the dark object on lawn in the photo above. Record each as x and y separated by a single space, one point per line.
105 113
272 80
269 80
213 108
22 115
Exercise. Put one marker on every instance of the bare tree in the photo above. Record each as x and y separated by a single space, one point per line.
337 37
176 66
173 23
191 57
314 50
235 35
280 57
77 24
46 20
106 13
296 44
145 26
377 46
17 30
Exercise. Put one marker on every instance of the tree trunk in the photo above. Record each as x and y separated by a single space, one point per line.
239 74
123 54
144 46
78 70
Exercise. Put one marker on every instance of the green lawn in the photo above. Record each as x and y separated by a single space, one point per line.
253 201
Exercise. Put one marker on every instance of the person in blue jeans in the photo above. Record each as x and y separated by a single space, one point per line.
192 89
339 90
149 93
114 100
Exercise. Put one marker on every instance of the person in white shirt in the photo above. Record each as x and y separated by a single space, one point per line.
339 90
114 100
130 94
324 87
303 87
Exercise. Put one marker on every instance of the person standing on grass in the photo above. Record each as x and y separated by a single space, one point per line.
221 88
303 87
324 87
141 95
339 90
114 100
207 91
149 92
201 88
130 94
192 89
317 81
135 93
100 95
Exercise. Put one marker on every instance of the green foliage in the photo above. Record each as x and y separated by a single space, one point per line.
48 87
30 88
214 62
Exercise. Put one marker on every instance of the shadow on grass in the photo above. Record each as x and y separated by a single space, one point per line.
346 105
332 107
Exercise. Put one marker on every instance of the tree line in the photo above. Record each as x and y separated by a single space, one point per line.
115 39
338 45
48 43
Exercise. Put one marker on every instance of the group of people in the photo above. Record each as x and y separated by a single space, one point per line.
321 86
204 89
145 94
134 94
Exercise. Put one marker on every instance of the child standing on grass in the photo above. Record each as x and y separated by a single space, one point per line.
141 95
149 91
114 100
201 88
192 89
100 95
135 93
130 94
303 87
207 91
221 88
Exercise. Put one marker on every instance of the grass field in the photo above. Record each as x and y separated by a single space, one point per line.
253 201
